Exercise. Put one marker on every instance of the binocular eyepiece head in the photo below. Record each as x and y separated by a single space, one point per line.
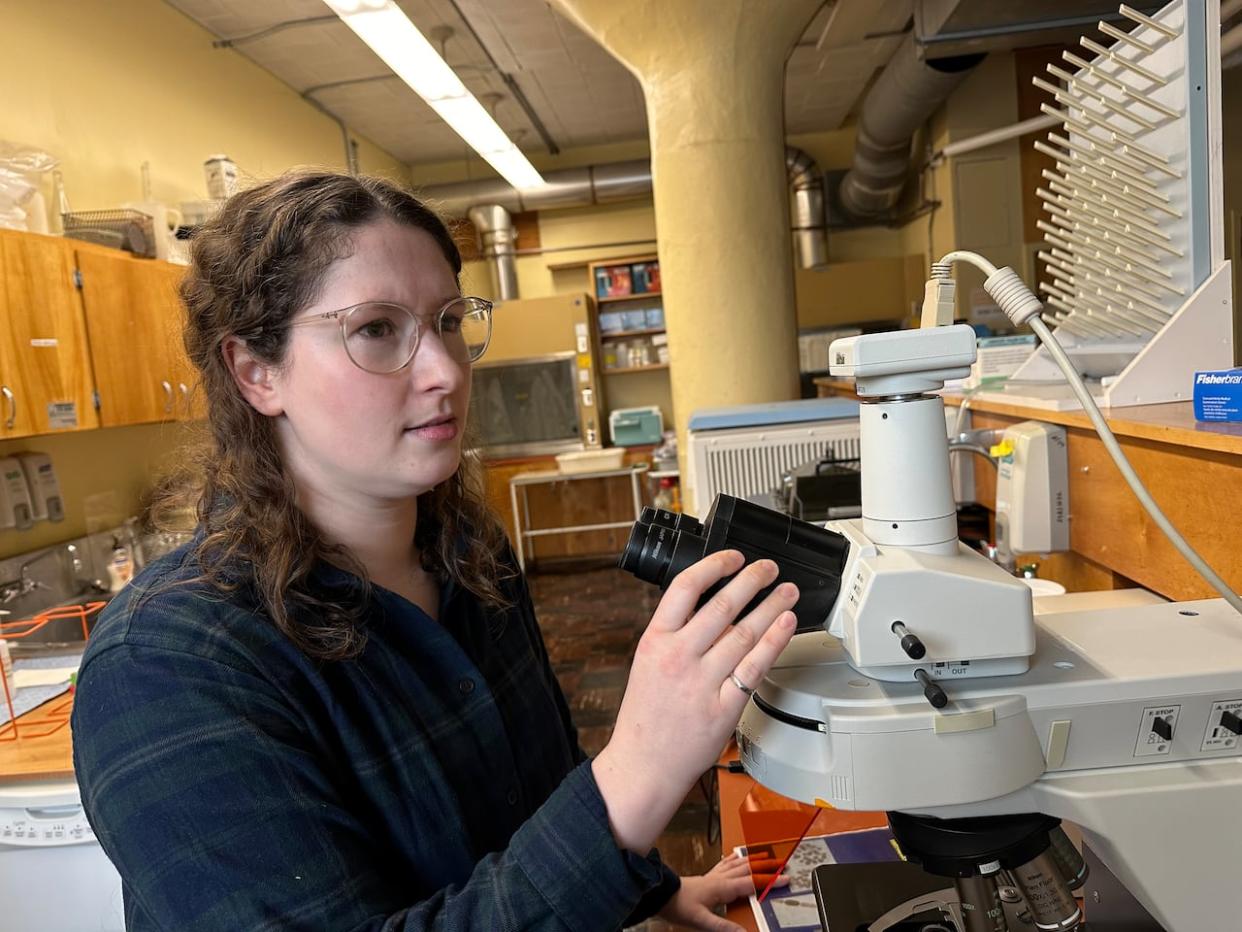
663 543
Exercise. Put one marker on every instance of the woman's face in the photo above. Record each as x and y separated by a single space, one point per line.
350 432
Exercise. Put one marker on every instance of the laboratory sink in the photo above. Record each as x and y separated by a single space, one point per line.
61 634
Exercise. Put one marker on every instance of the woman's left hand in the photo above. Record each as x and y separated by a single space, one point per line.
694 905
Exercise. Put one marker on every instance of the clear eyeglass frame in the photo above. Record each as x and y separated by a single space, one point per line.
473 309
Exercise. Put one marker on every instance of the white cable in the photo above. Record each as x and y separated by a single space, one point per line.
1019 308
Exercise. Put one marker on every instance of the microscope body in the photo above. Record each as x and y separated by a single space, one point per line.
1126 722
906 565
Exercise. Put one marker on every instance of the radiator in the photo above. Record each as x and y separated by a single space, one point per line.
749 461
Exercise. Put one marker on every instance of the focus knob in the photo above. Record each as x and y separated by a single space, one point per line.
909 642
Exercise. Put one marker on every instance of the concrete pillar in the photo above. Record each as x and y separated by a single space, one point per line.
713 73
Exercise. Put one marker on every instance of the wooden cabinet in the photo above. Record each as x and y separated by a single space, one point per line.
133 315
565 504
45 369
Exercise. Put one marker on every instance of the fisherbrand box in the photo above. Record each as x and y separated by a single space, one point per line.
1218 395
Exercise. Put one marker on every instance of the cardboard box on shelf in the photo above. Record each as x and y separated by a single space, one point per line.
634 320
613 281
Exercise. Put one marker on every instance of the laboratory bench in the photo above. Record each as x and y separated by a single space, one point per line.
1193 470
568 504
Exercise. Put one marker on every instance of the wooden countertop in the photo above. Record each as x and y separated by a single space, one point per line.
43 748
1172 423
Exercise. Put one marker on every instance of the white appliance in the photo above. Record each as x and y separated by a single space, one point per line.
54 877
744 451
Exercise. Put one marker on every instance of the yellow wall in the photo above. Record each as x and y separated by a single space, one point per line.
103 475
105 86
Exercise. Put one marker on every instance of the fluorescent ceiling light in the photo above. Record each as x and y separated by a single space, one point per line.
383 26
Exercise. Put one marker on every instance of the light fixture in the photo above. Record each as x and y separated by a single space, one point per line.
383 26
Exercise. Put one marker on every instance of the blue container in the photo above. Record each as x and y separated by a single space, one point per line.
655 318
634 427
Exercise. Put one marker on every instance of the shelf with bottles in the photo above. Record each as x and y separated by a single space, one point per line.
634 353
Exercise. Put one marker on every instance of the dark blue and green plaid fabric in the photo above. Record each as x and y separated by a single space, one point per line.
435 782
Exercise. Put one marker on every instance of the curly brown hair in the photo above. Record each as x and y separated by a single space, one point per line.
260 260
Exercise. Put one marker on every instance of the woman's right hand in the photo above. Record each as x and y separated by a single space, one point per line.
680 703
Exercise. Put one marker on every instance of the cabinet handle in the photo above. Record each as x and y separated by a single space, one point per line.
185 396
12 400
168 404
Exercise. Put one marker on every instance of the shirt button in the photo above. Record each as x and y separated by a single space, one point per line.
512 797
465 686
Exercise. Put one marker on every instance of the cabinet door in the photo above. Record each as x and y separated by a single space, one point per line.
46 359
127 302
161 285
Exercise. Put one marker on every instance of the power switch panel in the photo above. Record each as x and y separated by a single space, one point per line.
1224 726
1156 730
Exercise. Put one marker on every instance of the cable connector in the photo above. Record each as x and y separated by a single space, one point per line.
1010 292
939 302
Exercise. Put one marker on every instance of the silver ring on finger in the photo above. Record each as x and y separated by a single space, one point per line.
737 681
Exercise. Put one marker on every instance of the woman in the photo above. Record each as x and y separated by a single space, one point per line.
333 708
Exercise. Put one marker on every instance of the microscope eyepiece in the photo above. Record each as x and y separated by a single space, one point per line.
662 544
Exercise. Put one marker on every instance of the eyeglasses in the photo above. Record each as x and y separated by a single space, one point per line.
382 338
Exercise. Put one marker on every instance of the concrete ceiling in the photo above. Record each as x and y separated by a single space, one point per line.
577 90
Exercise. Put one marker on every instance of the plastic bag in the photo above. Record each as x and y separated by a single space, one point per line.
22 168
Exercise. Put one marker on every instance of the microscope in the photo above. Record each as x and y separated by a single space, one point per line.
922 684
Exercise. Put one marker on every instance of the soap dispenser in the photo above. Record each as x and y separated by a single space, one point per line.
46 503
15 509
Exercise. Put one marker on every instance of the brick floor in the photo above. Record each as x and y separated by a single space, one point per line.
591 621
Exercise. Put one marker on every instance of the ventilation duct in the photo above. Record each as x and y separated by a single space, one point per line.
907 92
495 227
485 201
569 187
807 184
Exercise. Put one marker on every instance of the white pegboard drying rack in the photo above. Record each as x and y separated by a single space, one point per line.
1137 285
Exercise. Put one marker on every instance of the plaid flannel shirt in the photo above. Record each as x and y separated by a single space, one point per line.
434 782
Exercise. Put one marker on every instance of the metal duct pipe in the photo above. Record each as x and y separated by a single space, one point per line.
570 187
905 95
608 184
807 184
495 226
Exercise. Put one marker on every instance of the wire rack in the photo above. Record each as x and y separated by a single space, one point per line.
15 631
131 230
